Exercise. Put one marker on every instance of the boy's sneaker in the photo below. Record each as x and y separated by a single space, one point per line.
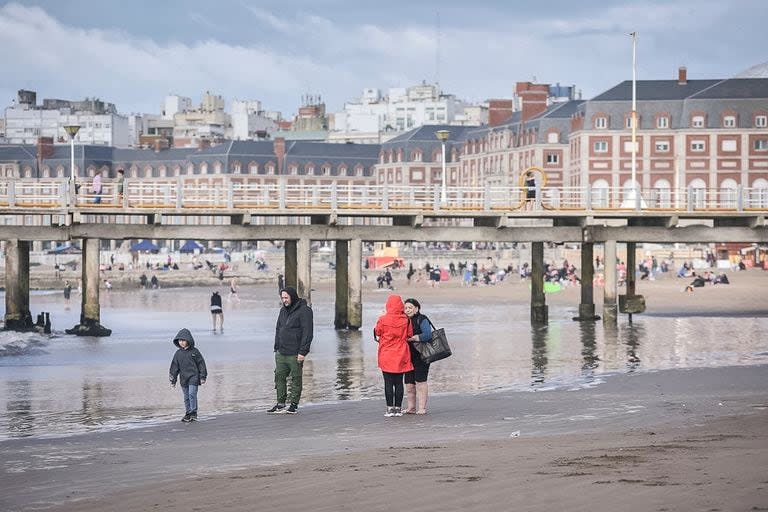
398 411
292 409
390 412
187 418
277 409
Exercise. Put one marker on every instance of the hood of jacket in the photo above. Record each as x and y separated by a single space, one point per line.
294 295
184 334
395 313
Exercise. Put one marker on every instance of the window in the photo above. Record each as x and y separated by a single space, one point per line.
697 121
628 122
728 145
761 121
761 145
553 158
729 122
662 122
628 146
601 123
600 146
662 146
697 145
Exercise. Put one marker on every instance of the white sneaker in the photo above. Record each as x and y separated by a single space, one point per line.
398 411
390 412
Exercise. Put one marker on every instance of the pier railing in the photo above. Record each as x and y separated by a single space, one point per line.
240 193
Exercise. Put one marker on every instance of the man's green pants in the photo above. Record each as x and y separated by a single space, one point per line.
287 366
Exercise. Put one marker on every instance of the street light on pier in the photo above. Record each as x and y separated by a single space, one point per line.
442 136
72 130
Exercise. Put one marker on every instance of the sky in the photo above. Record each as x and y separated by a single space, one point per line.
135 53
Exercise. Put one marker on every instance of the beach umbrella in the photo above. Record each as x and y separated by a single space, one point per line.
144 246
191 246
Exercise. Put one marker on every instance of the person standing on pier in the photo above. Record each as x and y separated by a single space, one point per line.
293 337
96 187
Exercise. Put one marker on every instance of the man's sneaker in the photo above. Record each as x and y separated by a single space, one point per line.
292 409
277 409
186 418
193 416
398 411
390 412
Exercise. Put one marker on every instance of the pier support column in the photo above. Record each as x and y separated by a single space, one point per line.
587 306
90 315
355 311
291 278
17 314
341 318
539 310
304 270
631 267
610 309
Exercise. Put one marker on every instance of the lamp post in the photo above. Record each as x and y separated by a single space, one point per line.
72 130
442 136
635 185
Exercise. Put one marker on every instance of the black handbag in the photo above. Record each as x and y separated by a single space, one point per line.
435 349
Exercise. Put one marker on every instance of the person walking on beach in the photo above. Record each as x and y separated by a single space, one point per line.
217 311
293 337
392 331
416 390
233 291
188 367
67 290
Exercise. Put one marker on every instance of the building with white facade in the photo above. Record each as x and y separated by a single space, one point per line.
99 122
250 122
175 104
403 108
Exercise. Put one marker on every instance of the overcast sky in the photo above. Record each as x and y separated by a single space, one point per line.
134 53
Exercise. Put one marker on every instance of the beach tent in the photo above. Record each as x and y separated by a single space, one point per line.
65 249
191 246
144 246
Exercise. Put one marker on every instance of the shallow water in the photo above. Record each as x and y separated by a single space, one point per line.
59 385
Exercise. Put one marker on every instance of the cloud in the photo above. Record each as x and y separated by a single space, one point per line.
341 51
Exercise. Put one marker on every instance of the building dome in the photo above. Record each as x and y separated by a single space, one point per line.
758 71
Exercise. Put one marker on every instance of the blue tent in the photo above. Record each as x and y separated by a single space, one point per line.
65 249
144 246
191 246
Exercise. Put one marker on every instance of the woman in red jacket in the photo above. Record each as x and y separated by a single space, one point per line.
392 331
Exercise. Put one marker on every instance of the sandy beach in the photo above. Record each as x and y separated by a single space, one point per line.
671 440
680 439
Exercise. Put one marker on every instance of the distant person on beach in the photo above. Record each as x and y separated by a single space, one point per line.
416 390
67 290
217 311
233 291
154 282
293 337
280 281
392 331
143 280
188 367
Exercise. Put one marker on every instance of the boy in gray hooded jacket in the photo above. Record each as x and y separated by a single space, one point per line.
188 366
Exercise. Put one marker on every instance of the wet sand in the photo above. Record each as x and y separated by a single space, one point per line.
670 440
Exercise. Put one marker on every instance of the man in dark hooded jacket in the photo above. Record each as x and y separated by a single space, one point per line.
293 337
188 366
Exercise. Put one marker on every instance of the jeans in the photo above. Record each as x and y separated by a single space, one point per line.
288 366
190 398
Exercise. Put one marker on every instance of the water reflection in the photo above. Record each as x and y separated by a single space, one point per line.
77 384
349 365
589 357
631 334
539 359
21 420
